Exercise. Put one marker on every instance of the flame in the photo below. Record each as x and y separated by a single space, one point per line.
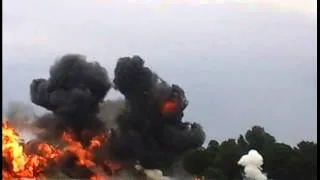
97 177
169 107
84 155
21 165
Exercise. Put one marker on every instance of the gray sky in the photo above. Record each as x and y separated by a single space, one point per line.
241 63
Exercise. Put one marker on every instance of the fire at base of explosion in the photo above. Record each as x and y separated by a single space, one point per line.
18 164
148 128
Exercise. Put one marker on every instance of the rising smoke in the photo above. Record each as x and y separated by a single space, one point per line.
146 132
145 128
73 93
22 117
252 163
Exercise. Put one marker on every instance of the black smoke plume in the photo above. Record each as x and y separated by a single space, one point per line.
72 92
145 132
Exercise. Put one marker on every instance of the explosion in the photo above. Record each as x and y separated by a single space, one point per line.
17 164
76 141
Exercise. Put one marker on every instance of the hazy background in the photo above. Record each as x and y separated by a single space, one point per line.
241 63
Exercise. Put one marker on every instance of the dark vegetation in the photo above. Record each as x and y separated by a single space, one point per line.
281 161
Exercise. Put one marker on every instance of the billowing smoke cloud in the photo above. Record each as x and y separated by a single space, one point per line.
72 93
252 163
151 130
145 128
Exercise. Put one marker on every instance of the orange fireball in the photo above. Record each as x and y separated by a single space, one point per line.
19 165
169 108
22 165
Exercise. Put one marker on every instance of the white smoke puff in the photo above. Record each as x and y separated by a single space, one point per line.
153 174
252 158
252 163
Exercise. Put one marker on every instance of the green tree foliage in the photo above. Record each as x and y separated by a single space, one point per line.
228 153
304 162
281 161
197 161
243 144
258 139
277 160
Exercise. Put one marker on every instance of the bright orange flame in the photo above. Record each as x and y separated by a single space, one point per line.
22 165
98 177
169 108
84 155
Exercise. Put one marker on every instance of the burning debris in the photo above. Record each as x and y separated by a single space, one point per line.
16 163
37 157
75 140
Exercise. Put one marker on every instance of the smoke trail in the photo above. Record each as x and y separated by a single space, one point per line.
252 163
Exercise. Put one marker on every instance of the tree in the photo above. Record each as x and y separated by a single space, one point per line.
277 159
281 161
304 161
243 144
257 138
213 144
196 161
212 149
214 173
226 159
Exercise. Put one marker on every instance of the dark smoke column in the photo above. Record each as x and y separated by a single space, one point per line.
72 93
151 129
